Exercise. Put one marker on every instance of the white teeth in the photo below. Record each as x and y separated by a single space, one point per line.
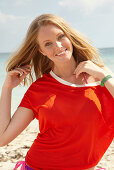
61 53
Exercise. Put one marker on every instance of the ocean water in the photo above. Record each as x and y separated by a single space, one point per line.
106 53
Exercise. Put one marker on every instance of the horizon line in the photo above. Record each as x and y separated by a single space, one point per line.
95 47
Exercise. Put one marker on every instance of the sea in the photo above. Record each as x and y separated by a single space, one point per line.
107 55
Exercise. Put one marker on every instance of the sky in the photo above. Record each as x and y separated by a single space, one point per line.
93 18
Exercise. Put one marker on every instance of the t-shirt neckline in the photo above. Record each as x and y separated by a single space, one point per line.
71 84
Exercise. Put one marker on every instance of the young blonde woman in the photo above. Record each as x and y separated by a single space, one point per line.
72 98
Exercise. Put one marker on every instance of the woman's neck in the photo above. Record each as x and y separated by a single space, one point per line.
65 70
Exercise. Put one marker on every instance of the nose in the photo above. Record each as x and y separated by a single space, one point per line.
58 44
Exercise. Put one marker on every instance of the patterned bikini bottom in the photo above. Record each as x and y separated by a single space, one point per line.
24 166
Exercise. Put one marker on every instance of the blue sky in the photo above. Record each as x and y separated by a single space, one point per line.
93 18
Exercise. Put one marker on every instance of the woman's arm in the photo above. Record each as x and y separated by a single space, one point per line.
11 127
109 84
20 120
5 109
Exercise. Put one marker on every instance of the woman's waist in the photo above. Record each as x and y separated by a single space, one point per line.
62 160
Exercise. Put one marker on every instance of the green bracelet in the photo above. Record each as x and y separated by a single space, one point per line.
105 79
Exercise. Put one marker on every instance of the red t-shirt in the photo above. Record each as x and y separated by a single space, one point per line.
76 124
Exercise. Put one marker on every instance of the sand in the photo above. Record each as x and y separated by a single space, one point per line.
17 149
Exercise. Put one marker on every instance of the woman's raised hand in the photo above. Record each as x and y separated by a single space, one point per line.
15 76
90 68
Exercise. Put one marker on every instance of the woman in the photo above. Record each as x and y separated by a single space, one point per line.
75 112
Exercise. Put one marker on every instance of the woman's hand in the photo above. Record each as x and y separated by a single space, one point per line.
90 68
15 76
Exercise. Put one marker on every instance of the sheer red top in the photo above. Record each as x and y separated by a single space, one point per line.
76 124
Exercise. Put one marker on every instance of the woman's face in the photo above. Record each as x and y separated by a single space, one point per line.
54 44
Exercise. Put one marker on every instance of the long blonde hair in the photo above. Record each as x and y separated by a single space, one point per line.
29 53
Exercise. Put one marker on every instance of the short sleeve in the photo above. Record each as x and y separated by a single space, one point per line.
25 102
29 100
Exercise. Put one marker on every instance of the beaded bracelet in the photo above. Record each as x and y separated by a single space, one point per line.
105 79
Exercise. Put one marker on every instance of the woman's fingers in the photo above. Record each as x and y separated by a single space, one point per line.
22 77
25 70
22 70
16 75
78 68
17 72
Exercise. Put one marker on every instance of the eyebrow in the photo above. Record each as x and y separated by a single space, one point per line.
56 35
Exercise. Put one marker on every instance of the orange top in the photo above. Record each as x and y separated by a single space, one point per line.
76 124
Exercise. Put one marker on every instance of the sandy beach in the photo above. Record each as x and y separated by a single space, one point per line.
17 149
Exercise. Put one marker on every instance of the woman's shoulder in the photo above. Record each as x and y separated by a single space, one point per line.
39 81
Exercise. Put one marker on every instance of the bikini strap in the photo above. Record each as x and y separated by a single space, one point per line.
85 78
22 163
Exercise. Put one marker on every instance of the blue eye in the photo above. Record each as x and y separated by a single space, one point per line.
47 44
61 36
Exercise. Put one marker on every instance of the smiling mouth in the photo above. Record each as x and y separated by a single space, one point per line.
63 52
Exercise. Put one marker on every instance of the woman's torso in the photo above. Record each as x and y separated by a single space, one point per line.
60 109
